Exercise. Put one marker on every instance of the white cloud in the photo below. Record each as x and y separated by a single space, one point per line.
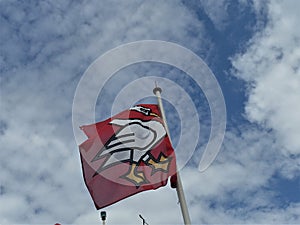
236 189
271 66
217 12
45 48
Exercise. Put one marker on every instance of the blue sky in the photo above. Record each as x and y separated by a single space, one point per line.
252 47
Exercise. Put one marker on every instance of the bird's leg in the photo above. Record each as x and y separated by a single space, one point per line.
134 176
161 163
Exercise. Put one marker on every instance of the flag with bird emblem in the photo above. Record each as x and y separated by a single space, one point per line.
127 154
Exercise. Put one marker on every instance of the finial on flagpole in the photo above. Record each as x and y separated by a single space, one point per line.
156 89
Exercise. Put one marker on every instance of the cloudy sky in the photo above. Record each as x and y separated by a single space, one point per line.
253 49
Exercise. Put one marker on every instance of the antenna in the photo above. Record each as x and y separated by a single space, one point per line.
144 221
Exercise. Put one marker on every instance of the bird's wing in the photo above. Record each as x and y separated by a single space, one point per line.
133 141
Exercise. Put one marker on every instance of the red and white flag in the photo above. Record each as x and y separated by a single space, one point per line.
127 154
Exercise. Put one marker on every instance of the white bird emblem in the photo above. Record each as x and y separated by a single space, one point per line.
132 143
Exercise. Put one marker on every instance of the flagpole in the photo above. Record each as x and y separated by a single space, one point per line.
184 210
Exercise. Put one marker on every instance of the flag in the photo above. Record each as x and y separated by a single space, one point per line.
126 154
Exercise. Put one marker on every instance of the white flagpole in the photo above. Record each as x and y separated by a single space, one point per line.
179 188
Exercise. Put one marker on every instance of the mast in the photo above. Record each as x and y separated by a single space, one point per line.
179 189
